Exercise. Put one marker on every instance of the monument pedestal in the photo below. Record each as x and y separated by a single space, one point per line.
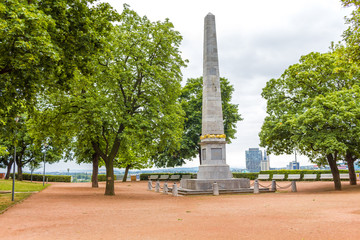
207 184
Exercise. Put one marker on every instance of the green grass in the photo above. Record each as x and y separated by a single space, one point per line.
6 185
5 200
23 190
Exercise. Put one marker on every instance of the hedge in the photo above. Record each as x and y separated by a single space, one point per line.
102 177
251 176
301 172
51 178
145 176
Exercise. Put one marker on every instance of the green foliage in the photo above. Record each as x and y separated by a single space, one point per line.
128 108
102 177
191 102
51 178
43 44
251 176
314 107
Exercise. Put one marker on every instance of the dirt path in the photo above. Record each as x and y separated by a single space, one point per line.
76 211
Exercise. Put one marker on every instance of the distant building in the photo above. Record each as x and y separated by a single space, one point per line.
294 165
265 163
253 159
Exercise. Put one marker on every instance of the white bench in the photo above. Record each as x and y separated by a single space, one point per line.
310 177
326 176
174 177
153 177
294 177
263 176
344 176
163 177
278 176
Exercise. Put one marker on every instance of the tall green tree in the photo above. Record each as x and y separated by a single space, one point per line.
130 100
301 109
191 102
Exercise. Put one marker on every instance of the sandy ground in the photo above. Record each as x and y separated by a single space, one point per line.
76 211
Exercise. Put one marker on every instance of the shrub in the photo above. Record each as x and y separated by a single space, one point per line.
251 176
51 178
102 177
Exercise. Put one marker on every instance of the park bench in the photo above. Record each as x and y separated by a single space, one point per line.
294 177
153 177
344 176
174 177
326 176
186 176
278 176
263 176
163 177
310 177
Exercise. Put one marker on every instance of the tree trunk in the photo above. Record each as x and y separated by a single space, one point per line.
20 175
350 162
334 170
109 190
94 178
8 170
126 172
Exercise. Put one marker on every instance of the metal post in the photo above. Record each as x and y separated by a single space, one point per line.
256 186
13 185
44 169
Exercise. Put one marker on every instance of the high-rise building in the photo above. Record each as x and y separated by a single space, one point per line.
253 159
265 163
294 165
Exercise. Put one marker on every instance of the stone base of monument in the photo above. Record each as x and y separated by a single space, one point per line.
205 186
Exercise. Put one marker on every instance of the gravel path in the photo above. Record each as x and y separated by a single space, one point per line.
76 211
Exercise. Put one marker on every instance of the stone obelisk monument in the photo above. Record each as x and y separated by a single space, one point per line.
213 166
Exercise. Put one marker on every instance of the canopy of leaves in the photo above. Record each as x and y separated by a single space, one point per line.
312 106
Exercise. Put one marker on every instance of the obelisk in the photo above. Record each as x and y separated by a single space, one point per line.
213 144
213 167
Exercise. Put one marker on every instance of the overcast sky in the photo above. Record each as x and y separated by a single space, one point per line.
257 41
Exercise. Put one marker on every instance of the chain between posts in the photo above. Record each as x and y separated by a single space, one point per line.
265 186
284 186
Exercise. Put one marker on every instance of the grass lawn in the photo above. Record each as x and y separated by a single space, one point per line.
23 190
